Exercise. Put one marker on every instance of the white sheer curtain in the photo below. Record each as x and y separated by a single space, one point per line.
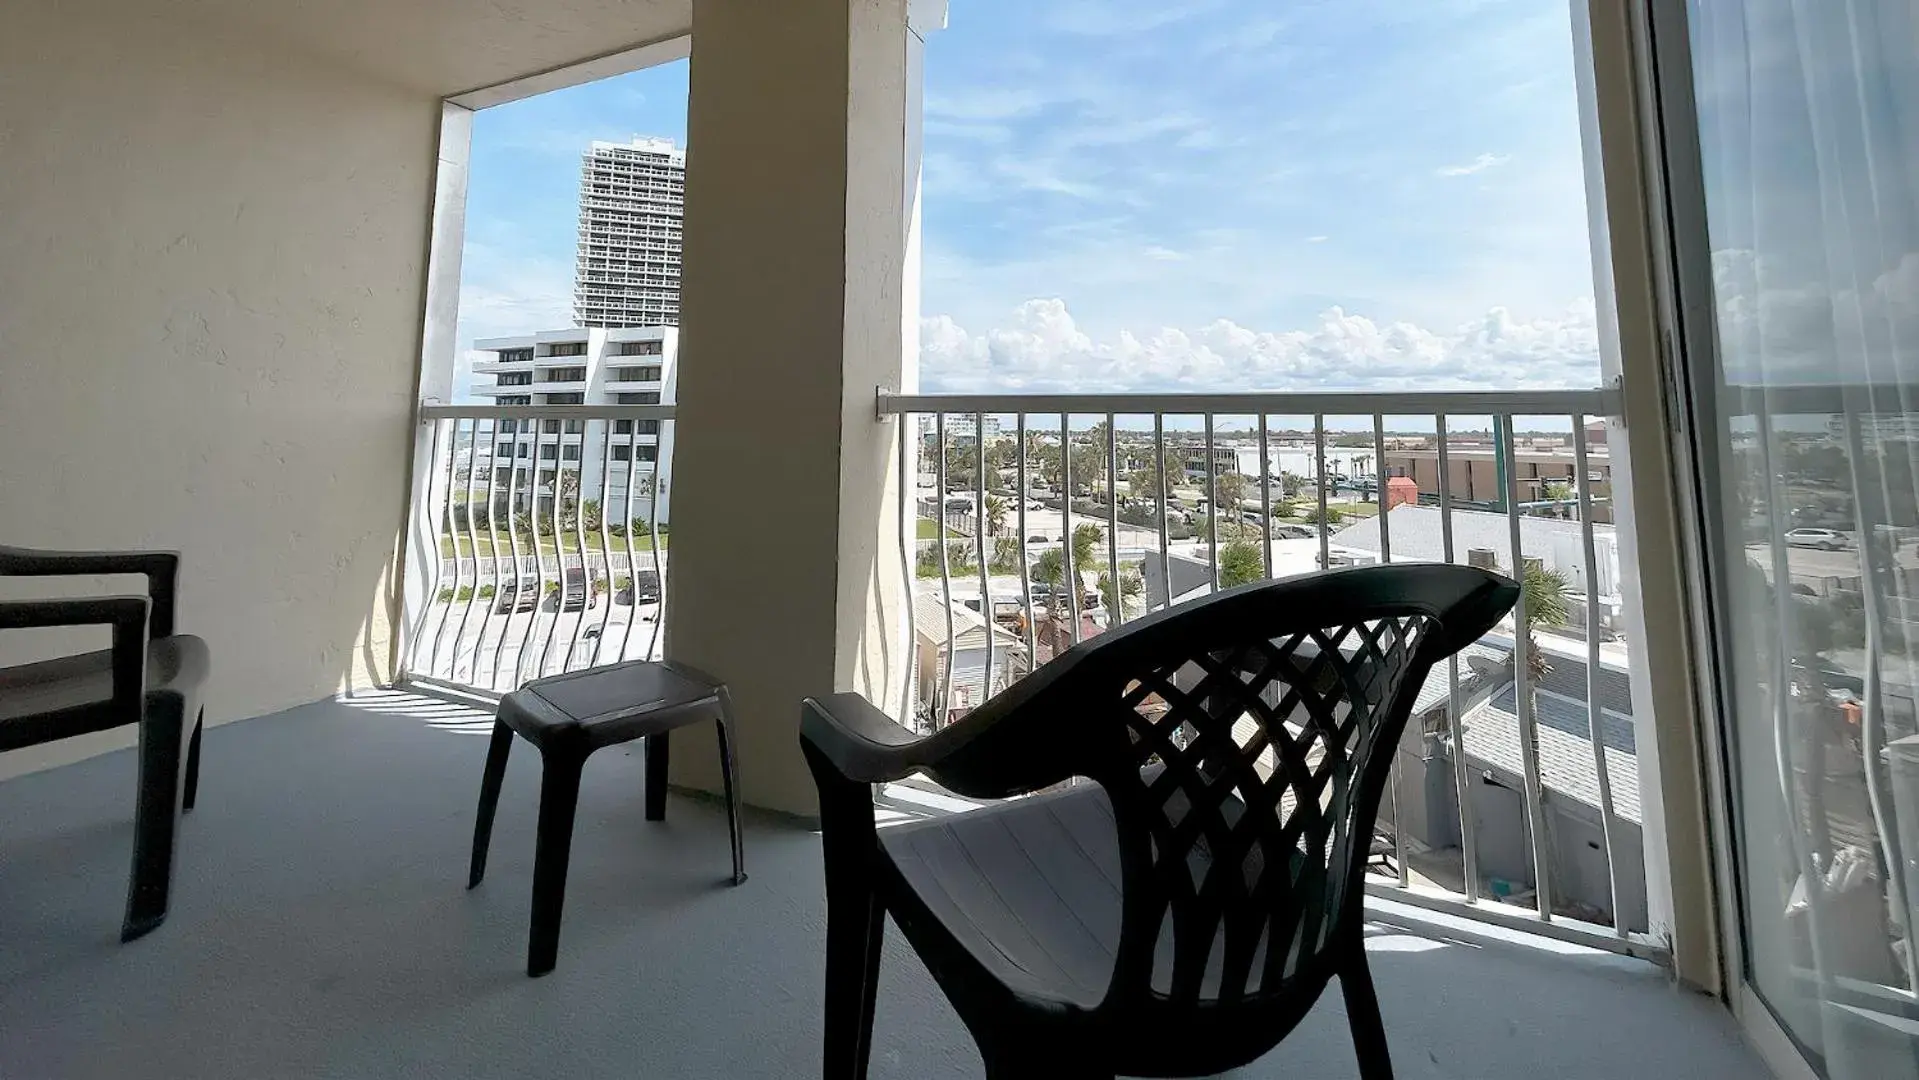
1809 129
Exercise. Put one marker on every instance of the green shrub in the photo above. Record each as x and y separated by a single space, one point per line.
1240 562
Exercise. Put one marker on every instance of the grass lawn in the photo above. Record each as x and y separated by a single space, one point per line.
568 543
930 530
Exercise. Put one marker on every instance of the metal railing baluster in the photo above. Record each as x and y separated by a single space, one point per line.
606 538
985 559
1159 471
473 546
520 675
1266 495
656 491
1595 711
432 594
1386 556
1211 497
500 595
579 541
1116 609
946 573
493 548
1069 579
452 540
909 566
1468 841
1025 570
632 562
1324 528
1504 434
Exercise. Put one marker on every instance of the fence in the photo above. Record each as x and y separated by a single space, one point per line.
1036 546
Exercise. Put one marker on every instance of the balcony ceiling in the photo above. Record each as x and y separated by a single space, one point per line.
450 46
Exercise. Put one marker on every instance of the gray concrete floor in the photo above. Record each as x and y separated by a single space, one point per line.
320 929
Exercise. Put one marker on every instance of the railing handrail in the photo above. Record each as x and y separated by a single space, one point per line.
1811 399
545 412
1594 402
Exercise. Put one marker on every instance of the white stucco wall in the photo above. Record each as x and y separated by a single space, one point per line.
211 258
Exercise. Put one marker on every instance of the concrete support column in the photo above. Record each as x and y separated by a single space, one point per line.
785 575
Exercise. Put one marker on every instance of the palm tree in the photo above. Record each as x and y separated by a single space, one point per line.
1544 594
995 514
1050 567
1123 603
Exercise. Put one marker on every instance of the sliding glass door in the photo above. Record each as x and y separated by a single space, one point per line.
1803 388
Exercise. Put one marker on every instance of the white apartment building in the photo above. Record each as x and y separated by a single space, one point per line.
627 271
580 366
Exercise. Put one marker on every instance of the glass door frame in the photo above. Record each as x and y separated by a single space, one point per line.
1682 279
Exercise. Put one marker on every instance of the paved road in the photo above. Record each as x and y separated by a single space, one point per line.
642 559
475 645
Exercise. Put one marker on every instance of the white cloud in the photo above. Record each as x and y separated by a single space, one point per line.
1163 254
1477 165
1320 239
1778 325
1043 349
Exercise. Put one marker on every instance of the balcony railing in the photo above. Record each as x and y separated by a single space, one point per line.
1029 523
537 566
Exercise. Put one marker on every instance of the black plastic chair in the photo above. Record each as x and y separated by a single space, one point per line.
1178 915
151 677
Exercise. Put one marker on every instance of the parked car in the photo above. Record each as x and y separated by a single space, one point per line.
645 587
572 598
1823 539
521 595
1293 532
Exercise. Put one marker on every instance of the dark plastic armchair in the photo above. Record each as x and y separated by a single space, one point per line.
1178 914
151 677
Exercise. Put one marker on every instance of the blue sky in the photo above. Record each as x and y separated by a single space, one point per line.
1228 194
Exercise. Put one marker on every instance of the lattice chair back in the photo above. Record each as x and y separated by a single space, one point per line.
1245 743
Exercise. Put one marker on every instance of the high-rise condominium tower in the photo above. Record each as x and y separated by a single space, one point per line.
627 272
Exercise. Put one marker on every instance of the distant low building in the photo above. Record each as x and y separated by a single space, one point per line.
579 366
969 677
1473 472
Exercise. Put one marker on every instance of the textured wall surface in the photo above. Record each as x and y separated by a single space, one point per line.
210 280
814 252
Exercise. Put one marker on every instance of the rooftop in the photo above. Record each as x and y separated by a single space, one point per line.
1567 764
929 622
1418 534
320 930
